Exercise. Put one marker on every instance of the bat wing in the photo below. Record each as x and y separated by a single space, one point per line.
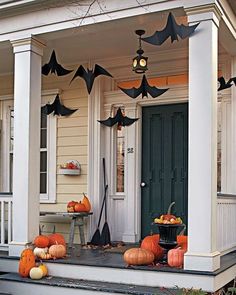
128 121
46 69
64 111
109 122
61 71
223 84
98 70
185 31
154 91
232 80
88 77
158 37
132 92
47 109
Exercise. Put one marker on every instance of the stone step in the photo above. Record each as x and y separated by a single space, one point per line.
56 285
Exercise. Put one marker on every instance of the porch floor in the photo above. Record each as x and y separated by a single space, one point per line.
103 258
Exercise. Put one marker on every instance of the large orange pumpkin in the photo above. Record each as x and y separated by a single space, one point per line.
138 256
56 239
57 251
41 241
86 203
27 261
151 243
175 257
183 242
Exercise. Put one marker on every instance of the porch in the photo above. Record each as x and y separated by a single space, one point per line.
103 271
182 67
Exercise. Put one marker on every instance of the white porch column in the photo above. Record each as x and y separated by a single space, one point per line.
131 186
27 104
202 196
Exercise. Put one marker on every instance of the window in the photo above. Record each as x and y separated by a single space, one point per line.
47 153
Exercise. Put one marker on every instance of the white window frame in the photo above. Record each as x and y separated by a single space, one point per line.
7 104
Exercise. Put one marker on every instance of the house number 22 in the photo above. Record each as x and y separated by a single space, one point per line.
130 150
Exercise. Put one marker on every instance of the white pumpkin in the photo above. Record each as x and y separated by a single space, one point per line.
39 251
36 273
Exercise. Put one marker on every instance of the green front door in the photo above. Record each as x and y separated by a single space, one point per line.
164 163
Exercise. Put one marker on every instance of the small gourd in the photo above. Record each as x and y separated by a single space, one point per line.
44 268
138 256
27 261
39 251
86 203
57 251
36 273
45 256
175 257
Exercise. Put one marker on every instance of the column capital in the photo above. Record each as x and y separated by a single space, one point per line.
28 44
204 13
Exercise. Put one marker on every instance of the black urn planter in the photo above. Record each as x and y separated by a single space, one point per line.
168 237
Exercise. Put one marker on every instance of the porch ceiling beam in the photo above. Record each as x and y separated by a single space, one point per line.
16 24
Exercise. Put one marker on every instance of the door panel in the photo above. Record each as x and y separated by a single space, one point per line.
164 162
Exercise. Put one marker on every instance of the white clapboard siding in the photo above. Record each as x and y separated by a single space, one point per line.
72 144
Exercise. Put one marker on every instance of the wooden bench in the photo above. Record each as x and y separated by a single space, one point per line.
77 218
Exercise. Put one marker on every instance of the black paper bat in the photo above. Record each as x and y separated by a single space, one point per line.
54 67
224 84
56 107
90 75
119 118
145 89
173 30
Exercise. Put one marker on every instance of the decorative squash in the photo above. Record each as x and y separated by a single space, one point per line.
39 251
27 261
151 243
41 241
56 239
45 256
44 268
36 273
71 206
183 242
86 203
57 251
175 257
138 256
79 207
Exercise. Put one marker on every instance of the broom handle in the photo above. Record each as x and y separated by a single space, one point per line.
103 202
105 186
105 190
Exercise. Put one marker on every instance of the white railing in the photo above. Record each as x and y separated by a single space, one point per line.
5 220
226 223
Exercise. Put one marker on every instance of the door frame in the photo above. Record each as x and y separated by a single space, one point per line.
130 201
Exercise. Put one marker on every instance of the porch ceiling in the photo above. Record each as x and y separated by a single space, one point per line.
100 41
113 39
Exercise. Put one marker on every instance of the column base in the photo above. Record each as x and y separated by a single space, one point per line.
130 238
202 261
15 248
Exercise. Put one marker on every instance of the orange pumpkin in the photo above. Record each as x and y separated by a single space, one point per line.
56 239
41 241
86 203
175 257
27 261
79 207
57 251
151 243
138 256
183 242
